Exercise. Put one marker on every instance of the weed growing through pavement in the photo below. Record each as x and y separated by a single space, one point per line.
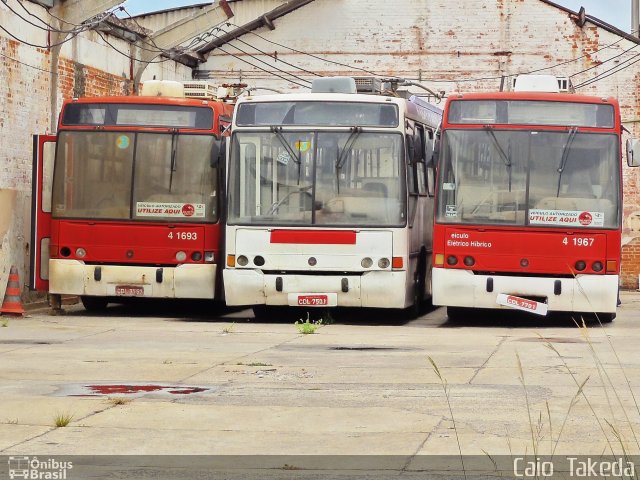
308 327
255 364
5 322
229 328
119 401
445 388
62 419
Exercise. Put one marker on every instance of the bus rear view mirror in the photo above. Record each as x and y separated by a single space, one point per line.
633 152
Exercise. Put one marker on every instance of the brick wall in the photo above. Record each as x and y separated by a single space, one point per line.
630 264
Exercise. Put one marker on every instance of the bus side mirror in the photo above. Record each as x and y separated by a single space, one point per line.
218 152
633 152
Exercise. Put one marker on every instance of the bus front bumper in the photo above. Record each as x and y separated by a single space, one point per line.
73 277
583 293
379 289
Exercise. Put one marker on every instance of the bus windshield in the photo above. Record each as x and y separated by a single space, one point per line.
141 176
342 178
538 178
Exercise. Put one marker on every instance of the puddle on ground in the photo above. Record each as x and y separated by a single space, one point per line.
130 390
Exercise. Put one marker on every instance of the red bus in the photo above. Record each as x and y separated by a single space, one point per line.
529 203
131 206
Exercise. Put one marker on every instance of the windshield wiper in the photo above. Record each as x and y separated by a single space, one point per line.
565 156
278 133
355 133
174 149
504 156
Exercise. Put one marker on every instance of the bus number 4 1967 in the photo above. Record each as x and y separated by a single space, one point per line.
578 241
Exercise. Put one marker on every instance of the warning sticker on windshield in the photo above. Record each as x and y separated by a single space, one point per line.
181 210
574 218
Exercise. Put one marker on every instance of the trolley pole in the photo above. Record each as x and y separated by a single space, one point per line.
635 17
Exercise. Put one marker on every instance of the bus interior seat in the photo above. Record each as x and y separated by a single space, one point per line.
378 189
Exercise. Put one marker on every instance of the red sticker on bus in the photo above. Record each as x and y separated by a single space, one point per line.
585 218
188 210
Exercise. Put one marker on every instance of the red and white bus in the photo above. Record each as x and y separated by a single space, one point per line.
330 199
132 204
529 202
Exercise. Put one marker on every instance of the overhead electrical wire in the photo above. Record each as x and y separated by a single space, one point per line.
25 64
430 79
268 64
611 71
170 54
299 51
264 70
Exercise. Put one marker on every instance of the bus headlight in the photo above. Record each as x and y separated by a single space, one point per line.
209 257
469 261
242 261
81 252
384 263
196 256
452 260
366 262
181 256
580 265
597 266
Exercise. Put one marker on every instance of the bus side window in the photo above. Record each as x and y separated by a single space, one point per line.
412 186
419 160
430 160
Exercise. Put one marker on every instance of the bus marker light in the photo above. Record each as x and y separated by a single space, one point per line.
597 266
439 260
81 252
580 265
397 262
524 263
209 257
312 261
180 256
612 266
452 260
243 261
384 263
231 260
366 262
196 256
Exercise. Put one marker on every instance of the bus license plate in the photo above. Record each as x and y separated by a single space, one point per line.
129 291
523 304
313 299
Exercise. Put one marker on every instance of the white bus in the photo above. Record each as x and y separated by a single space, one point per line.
330 199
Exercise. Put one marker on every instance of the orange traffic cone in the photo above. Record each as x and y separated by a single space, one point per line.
12 303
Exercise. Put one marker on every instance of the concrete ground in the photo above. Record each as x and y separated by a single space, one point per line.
180 379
